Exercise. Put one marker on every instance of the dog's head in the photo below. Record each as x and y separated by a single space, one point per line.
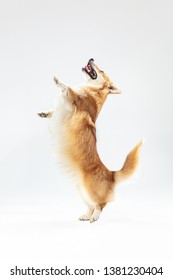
99 78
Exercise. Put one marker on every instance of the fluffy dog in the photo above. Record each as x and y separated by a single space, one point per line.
72 123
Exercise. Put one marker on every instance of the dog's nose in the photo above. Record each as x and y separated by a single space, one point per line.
91 59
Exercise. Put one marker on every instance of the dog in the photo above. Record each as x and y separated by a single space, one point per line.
73 128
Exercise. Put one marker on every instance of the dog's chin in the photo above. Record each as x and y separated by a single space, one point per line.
93 82
90 81
86 76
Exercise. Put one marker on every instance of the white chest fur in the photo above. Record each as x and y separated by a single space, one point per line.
58 126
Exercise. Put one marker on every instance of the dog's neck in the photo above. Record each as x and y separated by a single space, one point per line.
81 89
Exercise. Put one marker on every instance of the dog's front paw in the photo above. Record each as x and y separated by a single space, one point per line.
43 115
60 84
57 82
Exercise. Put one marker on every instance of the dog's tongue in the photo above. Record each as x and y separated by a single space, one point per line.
88 68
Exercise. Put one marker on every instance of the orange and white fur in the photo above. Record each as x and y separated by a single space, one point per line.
73 128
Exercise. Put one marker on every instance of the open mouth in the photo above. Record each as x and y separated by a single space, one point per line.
89 69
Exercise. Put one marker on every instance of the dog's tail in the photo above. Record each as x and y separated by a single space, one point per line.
130 164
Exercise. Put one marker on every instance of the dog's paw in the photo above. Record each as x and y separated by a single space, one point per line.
43 115
93 219
84 218
95 216
57 82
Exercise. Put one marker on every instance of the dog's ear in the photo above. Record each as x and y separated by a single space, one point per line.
114 90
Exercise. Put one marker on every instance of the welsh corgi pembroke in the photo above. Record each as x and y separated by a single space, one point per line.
73 128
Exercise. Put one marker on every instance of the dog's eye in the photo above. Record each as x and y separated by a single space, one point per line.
102 71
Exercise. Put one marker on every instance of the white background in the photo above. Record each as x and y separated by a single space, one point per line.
39 206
